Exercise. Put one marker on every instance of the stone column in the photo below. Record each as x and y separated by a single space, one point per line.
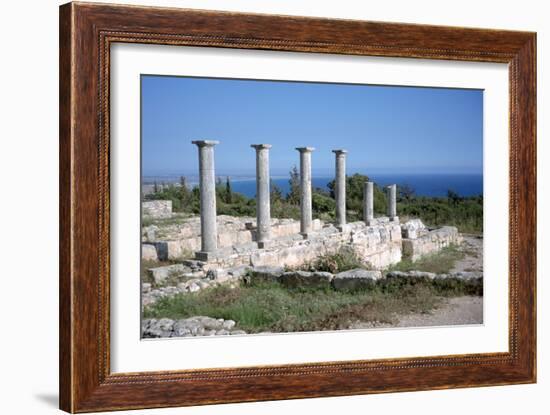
263 208
305 190
207 185
391 192
340 188
368 203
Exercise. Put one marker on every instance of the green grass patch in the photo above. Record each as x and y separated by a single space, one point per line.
343 260
273 308
440 262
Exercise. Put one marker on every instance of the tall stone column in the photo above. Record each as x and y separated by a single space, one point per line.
306 219
340 188
391 192
368 203
207 185
263 208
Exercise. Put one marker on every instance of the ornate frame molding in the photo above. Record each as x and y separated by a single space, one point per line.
86 33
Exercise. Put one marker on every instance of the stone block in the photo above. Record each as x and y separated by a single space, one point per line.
297 279
149 252
413 229
412 275
160 274
157 209
266 273
356 279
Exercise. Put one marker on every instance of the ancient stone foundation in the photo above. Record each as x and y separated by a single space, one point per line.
156 209
430 242
379 244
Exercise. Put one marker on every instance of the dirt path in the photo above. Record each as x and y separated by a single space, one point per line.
472 246
452 312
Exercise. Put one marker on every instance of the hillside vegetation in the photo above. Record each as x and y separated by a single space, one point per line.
466 213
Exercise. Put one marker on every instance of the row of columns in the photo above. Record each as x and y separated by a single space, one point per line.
207 186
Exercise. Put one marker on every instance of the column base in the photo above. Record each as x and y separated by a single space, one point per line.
206 256
265 244
343 228
306 235
394 219
370 222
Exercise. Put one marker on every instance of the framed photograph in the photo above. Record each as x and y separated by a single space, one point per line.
259 207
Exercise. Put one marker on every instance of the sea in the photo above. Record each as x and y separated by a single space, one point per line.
432 185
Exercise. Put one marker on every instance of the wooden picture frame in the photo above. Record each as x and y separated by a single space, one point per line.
86 33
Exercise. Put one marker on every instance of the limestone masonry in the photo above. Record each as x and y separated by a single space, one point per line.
157 209
379 244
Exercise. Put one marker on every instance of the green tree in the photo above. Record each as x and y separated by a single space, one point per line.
275 193
228 191
293 195
453 196
405 192
185 194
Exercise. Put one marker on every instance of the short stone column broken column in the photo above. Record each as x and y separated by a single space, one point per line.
391 192
306 218
368 203
340 188
263 208
207 186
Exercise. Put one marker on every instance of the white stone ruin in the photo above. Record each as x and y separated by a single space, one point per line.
224 241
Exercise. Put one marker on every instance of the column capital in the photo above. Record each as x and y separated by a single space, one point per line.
261 146
305 149
205 143
340 152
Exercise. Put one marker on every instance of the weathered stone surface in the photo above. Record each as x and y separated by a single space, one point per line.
149 252
188 327
160 274
432 241
368 203
238 271
378 244
391 192
149 233
263 209
340 186
266 273
207 178
157 328
356 279
411 274
157 208
413 229
474 279
465 276
306 217
295 279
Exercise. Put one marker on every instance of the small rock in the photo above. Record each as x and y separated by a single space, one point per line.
145 287
159 328
149 252
193 287
228 324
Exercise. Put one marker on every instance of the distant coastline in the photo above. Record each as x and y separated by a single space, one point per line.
431 185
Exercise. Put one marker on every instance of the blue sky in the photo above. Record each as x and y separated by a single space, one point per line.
386 129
